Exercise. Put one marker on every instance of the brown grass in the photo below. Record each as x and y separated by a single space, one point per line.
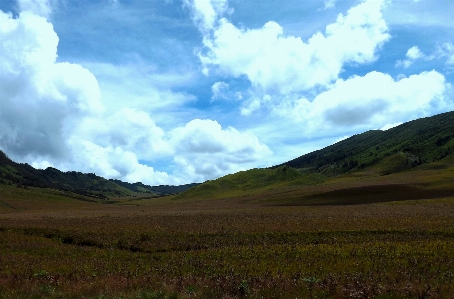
374 237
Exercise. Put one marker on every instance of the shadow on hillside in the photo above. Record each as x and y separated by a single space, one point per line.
368 194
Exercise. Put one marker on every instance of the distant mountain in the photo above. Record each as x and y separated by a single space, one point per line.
87 184
160 190
411 144
407 146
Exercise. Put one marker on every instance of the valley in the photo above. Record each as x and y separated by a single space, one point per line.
376 231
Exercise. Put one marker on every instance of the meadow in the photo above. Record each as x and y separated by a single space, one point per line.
356 236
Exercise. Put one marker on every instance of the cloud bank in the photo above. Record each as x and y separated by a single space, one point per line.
301 80
53 114
276 63
40 99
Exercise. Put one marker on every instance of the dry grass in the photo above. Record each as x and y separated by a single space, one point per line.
275 244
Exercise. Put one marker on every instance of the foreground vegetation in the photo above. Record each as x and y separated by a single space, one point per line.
264 245
386 251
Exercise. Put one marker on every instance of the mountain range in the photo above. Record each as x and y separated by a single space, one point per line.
408 151
375 153
86 184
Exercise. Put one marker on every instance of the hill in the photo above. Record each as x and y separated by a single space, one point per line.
357 163
249 182
416 145
86 184
411 144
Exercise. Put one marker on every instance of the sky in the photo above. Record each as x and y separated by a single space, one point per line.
181 91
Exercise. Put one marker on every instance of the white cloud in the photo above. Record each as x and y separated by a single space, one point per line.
218 89
207 12
204 150
329 4
447 51
38 7
412 55
51 114
40 99
276 63
129 129
113 162
371 101
443 52
250 106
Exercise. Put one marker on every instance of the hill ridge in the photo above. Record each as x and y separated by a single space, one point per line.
374 153
423 140
86 184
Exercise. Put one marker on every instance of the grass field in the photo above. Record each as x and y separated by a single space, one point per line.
357 236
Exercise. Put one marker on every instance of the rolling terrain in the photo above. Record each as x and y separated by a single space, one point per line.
85 184
408 145
411 161
305 229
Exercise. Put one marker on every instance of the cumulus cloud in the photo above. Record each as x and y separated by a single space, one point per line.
116 146
218 89
207 12
281 68
251 105
40 99
443 52
371 101
112 161
276 63
43 105
412 55
203 149
129 129
51 114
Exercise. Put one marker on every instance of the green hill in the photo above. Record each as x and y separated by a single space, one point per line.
250 182
86 184
411 144
370 154
414 145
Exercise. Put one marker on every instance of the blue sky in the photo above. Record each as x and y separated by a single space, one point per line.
180 91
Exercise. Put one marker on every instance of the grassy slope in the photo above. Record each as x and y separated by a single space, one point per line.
420 141
86 184
276 241
251 247
18 174
408 151
290 187
250 182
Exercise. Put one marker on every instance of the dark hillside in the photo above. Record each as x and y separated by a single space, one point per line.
161 189
420 141
87 184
